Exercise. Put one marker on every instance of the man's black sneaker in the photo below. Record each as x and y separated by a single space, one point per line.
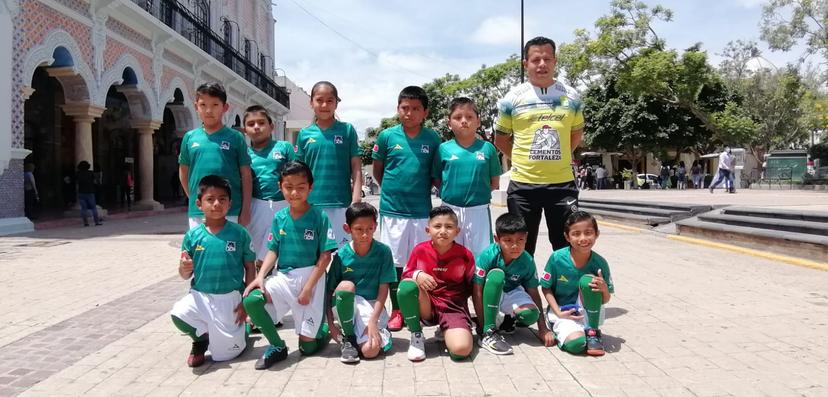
507 327
196 357
492 341
271 356
594 347
348 350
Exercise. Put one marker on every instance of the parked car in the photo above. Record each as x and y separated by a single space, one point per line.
652 179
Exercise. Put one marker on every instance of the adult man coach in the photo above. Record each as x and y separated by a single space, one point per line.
539 123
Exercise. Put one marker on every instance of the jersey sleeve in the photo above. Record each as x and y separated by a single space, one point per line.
530 279
380 147
287 151
503 123
470 268
184 155
387 272
437 164
605 272
334 273
483 264
274 239
300 147
328 242
547 279
414 261
187 244
577 106
249 254
494 162
241 151
353 141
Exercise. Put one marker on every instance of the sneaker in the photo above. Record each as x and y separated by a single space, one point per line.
271 356
507 327
494 343
594 347
348 351
416 349
439 336
395 323
196 357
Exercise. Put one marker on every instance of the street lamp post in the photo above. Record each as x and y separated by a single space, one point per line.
521 41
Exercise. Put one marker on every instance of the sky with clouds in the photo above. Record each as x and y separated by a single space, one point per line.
389 44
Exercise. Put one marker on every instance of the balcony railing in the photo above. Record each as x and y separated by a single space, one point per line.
183 21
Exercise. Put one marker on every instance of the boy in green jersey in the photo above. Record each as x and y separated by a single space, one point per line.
330 149
301 239
266 159
217 257
467 169
403 157
506 281
215 149
577 284
358 280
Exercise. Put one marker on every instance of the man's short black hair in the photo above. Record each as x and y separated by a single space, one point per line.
414 92
442 210
295 167
507 224
538 41
213 89
213 181
580 216
360 210
256 109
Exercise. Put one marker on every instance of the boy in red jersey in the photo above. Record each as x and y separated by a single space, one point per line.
436 285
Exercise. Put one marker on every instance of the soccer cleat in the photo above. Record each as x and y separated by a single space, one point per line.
494 343
594 347
507 327
196 357
271 356
416 349
348 350
395 323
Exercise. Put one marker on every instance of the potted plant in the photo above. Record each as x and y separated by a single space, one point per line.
627 175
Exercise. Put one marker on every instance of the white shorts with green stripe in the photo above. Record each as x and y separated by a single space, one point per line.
363 309
401 235
214 314
475 227
261 220
284 289
336 216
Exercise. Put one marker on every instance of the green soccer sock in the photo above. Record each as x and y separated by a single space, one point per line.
409 297
527 317
393 288
592 301
187 329
254 304
575 346
457 357
492 292
323 336
345 310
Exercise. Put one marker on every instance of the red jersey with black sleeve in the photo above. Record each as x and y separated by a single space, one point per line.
453 270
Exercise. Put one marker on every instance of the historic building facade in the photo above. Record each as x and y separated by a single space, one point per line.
112 82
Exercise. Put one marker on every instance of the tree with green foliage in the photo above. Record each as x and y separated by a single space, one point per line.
786 23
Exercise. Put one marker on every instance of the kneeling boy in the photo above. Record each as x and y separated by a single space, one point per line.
217 258
437 286
302 239
576 283
359 278
506 280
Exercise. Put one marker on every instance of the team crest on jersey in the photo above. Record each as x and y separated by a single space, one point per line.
546 144
514 277
309 235
547 276
225 145
481 272
278 155
397 147
230 246
480 156
338 139
425 149
331 235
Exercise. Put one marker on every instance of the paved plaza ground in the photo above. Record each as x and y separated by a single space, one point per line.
85 311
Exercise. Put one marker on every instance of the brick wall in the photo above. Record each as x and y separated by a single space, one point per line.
11 195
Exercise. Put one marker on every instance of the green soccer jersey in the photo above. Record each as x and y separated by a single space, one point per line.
265 164
298 242
563 278
218 259
466 173
366 272
221 153
406 180
520 273
328 153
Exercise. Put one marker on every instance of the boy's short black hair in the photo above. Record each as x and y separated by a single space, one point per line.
579 216
213 181
442 210
414 92
256 109
360 210
538 41
507 224
295 167
84 165
462 101
213 89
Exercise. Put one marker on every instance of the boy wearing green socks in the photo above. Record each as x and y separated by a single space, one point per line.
577 284
506 281
358 279
302 239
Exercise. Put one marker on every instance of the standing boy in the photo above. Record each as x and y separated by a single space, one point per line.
215 149
506 281
218 259
358 279
302 240
403 157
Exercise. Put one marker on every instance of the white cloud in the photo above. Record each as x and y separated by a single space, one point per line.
497 31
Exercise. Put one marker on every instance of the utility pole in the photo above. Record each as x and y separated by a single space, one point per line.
521 42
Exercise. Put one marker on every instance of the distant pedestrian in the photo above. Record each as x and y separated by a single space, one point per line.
725 169
601 174
681 175
665 177
127 186
696 174
31 195
86 193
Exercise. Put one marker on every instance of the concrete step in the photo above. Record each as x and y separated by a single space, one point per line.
756 222
625 217
673 214
692 208
770 213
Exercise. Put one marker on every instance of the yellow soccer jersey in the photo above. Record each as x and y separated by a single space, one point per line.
541 119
